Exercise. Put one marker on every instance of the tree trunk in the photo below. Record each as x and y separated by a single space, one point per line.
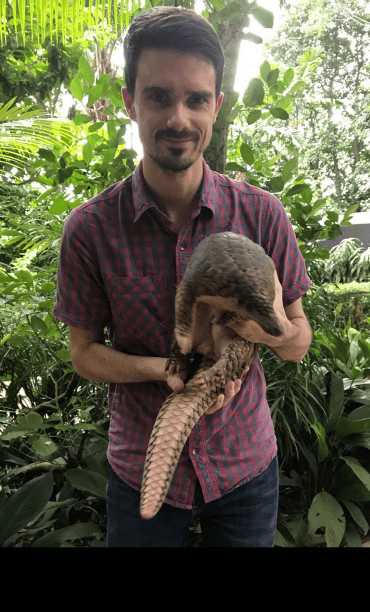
230 34
102 65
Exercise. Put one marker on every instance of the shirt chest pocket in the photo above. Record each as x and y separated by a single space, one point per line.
141 307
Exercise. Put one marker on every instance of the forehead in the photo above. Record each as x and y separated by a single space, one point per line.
168 69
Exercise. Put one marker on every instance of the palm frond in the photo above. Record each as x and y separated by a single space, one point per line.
23 132
65 18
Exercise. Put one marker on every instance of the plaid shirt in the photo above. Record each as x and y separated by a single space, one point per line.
120 263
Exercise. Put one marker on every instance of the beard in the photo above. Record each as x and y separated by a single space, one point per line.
176 160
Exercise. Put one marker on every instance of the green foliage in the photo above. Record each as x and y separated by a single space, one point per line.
70 442
101 156
348 262
24 506
23 131
322 420
264 149
335 485
62 20
333 114
30 511
321 410
33 72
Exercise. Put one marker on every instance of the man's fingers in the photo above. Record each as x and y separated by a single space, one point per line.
175 382
217 405
231 389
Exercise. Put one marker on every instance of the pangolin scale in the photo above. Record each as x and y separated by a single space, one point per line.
228 278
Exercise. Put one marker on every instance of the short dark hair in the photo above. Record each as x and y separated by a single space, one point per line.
174 28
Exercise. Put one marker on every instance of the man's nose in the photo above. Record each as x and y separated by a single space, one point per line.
178 118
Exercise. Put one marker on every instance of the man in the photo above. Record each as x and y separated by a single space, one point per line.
123 254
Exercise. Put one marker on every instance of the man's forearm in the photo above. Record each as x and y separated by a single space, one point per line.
100 363
291 346
295 342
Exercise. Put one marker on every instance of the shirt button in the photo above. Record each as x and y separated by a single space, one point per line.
194 451
182 248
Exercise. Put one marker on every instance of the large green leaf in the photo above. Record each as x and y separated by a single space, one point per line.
323 450
25 505
38 325
43 446
297 189
247 153
265 69
86 70
253 116
358 421
254 94
230 11
279 113
276 184
77 88
72 532
326 512
272 76
357 516
253 38
361 473
288 77
336 401
352 537
288 169
89 481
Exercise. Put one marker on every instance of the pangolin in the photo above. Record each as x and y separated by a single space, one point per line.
228 278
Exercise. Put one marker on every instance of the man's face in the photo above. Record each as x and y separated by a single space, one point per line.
174 106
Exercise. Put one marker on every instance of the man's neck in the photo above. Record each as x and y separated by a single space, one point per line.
175 193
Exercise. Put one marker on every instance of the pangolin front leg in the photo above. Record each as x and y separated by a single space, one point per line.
179 414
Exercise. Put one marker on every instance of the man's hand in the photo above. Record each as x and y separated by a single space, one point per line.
221 337
231 389
294 343
250 330
175 381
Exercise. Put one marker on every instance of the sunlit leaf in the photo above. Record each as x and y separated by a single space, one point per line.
254 94
247 153
288 76
279 113
263 16
77 88
86 70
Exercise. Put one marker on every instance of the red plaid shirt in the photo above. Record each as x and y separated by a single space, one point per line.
120 263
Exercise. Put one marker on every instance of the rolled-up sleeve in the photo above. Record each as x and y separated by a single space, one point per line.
281 245
81 297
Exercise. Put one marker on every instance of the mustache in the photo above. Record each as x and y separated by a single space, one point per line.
171 133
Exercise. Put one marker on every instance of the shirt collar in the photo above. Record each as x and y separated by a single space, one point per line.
142 200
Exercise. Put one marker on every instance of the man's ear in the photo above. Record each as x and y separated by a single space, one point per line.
219 101
129 104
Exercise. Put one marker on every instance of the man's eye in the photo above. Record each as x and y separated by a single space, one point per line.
196 100
159 98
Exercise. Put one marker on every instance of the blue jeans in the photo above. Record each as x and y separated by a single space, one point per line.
246 517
